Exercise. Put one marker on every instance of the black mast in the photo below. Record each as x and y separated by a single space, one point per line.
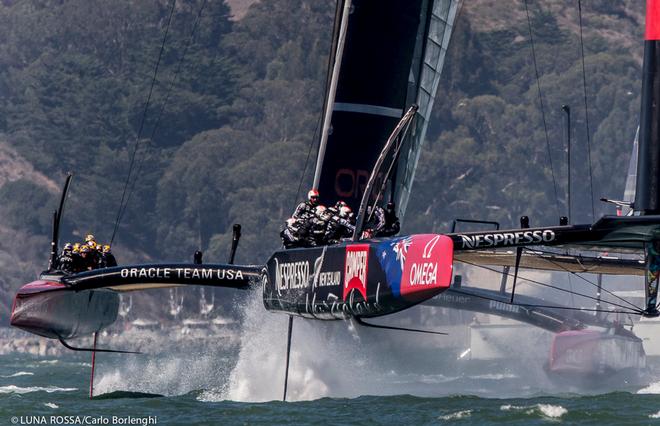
647 194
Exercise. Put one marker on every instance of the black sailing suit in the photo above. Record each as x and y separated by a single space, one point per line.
305 210
107 260
65 262
338 228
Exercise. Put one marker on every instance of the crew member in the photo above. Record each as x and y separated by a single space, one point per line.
317 227
334 210
107 258
90 240
65 260
76 265
87 263
306 209
293 233
340 225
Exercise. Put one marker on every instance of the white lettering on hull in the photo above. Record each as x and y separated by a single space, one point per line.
507 238
356 266
182 273
424 274
291 275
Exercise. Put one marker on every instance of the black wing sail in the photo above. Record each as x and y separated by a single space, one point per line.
393 55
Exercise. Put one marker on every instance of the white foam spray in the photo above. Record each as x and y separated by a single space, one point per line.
169 374
328 358
546 410
457 415
30 389
20 373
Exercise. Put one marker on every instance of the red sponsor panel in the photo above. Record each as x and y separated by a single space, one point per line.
355 269
428 266
574 351
652 20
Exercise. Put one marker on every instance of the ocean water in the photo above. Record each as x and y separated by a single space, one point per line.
339 374
33 390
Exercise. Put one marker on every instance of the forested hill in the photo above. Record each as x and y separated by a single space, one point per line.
229 143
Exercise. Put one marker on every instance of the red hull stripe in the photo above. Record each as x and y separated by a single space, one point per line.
652 20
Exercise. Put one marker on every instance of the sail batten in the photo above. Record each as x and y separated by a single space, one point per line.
368 109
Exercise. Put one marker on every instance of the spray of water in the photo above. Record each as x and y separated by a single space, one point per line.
336 359
164 374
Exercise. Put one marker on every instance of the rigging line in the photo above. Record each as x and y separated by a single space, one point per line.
544 284
309 154
545 125
528 305
144 116
395 159
586 280
586 114
164 104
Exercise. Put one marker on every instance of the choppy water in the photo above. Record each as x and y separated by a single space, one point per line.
32 389
195 389
339 375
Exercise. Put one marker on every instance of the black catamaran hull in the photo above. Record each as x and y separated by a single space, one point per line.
68 306
365 279
53 310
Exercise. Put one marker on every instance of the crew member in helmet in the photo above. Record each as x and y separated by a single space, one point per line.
340 225
306 209
293 233
65 260
107 258
90 240
87 263
334 210
317 226
75 254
